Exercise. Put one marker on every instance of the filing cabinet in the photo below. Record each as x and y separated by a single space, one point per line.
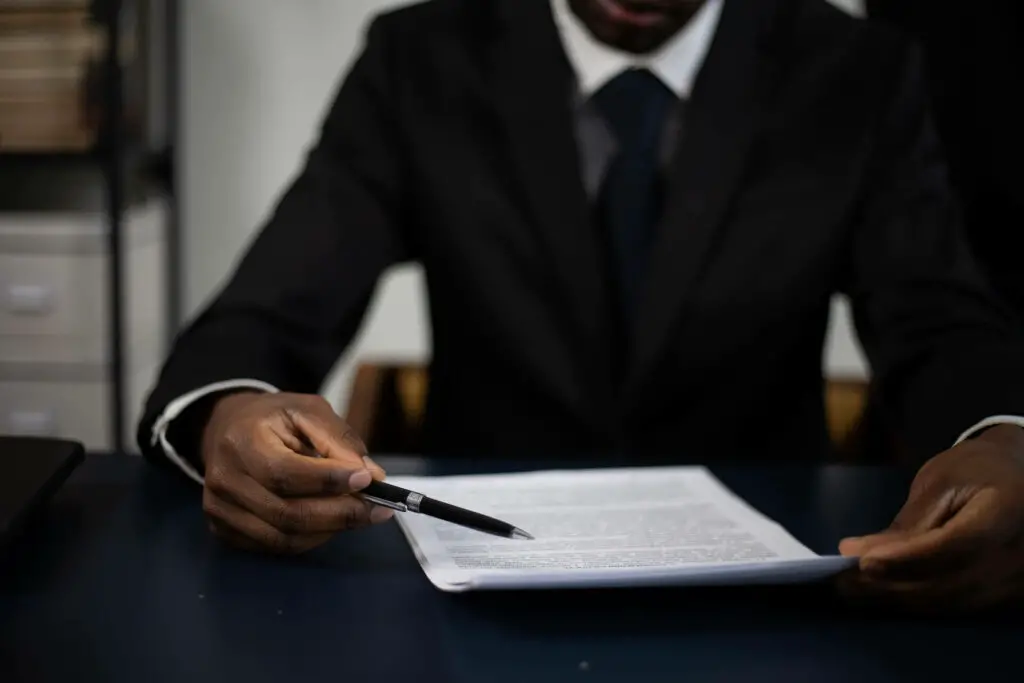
54 321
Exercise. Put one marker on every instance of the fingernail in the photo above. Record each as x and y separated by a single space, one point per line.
381 514
850 547
359 480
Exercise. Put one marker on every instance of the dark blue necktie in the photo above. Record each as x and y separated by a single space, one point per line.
635 105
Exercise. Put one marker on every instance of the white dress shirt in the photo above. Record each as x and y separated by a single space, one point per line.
677 63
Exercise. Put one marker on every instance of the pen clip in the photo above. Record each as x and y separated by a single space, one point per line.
401 507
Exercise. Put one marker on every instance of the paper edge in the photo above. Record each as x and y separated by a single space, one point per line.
432 573
700 575
747 574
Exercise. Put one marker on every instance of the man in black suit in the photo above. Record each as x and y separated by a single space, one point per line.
632 215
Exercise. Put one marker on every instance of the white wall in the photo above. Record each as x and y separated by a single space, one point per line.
257 75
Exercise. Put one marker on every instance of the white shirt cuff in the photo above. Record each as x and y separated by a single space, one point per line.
180 404
992 422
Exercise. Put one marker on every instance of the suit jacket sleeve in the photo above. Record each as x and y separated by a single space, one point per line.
298 295
944 351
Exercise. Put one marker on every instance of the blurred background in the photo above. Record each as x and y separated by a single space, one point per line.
220 99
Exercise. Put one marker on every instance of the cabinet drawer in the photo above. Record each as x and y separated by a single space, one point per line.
76 409
54 296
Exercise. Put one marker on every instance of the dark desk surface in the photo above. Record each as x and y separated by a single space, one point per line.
120 581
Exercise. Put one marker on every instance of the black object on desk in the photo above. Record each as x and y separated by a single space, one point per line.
31 471
122 582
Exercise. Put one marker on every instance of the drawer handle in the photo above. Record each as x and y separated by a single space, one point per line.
29 299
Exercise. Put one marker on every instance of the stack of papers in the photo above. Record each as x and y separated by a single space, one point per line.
605 528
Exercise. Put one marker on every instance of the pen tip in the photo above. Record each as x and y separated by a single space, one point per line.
521 535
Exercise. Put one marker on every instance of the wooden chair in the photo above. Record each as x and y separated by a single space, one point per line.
845 403
387 401
386 405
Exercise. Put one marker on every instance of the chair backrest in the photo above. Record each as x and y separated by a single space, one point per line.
845 403
386 405
387 401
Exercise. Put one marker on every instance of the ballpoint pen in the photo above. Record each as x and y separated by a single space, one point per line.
403 500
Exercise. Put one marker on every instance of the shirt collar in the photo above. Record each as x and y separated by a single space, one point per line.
676 63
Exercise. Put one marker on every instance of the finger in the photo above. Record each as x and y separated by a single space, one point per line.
300 516
288 474
329 435
892 598
233 538
925 509
944 550
965 590
237 540
376 470
861 545
919 514
245 530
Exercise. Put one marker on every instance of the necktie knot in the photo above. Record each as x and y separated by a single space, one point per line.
635 105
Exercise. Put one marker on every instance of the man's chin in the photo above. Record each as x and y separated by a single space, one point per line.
633 40
639 15
637 27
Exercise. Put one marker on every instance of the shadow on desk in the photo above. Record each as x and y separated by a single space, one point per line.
727 634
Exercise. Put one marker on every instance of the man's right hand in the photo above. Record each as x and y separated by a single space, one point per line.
266 489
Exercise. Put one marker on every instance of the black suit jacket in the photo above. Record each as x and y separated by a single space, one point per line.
806 167
974 62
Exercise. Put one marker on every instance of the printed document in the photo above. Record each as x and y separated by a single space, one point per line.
605 528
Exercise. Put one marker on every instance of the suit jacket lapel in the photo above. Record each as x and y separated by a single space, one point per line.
533 91
719 125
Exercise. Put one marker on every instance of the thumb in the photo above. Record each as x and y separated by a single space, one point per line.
859 546
921 515
874 551
918 514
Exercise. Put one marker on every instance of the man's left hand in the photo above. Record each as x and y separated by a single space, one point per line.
958 542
